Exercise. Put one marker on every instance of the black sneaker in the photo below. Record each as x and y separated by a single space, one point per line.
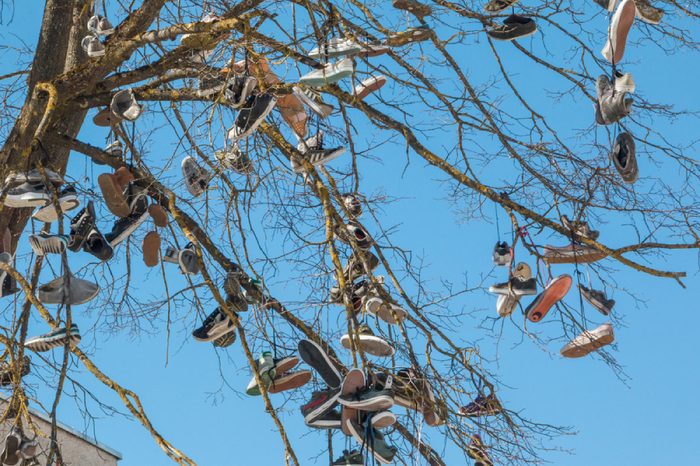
67 200
254 111
11 451
513 27
97 245
313 355
515 286
321 402
214 326
624 157
226 340
368 399
28 194
355 269
312 150
597 299
80 227
124 227
238 89
502 254
328 420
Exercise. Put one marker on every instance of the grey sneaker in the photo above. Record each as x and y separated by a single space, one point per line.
597 299
502 254
125 106
214 326
312 99
352 204
329 420
580 228
116 149
335 47
100 26
624 157
34 176
196 177
516 287
238 89
68 289
55 339
513 27
28 194
92 46
612 106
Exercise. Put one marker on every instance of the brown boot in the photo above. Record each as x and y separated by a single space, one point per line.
151 248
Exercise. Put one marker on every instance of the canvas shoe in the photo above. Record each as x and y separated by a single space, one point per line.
502 254
359 289
226 340
313 355
265 367
355 232
335 47
124 227
552 294
415 34
368 399
381 419
353 382
597 299
607 4
572 254
624 82
579 227
313 151
28 194
67 200
97 245
92 46
352 204
375 444
11 451
125 106
477 451
589 341
34 176
506 304
185 258
115 149
214 326
355 266
369 85
80 227
196 177
151 248
234 295
368 342
6 371
496 6
54 339
238 89
611 106
112 186
482 406
648 13
516 287
45 243
388 312
624 157
100 26
620 26
331 73
417 9
249 117
235 159
68 289
321 402
284 379
329 420
312 99
513 27
350 458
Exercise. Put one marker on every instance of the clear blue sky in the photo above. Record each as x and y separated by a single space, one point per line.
198 400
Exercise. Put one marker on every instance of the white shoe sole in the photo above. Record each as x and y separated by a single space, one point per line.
48 214
27 200
369 344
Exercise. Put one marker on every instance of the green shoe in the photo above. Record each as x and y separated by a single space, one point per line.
266 369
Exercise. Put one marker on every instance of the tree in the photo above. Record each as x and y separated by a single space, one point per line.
463 127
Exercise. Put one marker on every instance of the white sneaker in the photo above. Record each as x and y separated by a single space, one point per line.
624 82
589 341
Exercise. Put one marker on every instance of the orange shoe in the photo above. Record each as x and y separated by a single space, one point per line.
552 294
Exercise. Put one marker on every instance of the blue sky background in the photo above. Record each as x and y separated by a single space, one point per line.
197 400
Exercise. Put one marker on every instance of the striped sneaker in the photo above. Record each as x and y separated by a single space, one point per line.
313 100
45 243
55 339
312 149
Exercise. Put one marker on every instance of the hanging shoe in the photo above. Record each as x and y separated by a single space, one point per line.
185 258
515 287
125 106
235 159
80 227
477 451
196 177
105 118
214 326
502 254
579 228
624 158
355 232
113 194
265 367
312 149
620 25
497 6
331 73
415 34
312 99
313 355
68 289
115 149
417 9
648 13
67 200
97 245
151 248
506 304
611 106
100 26
624 82
321 402
368 342
28 194
375 444
513 27
92 46
238 89
46 243
294 114
353 382
355 267
11 452
369 85
159 215
15 179
571 254
336 47
597 299
226 340
482 406
249 117
352 204
55 339
138 213
381 419
388 312
589 341
552 294
7 371
350 458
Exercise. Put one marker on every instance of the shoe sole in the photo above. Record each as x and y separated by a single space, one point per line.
310 417
158 214
219 333
48 214
113 195
151 248
354 380
326 80
27 200
624 20
257 122
369 344
585 349
554 293
42 246
581 257
378 403
509 39
289 381
313 355
286 364
126 233
506 304
383 420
